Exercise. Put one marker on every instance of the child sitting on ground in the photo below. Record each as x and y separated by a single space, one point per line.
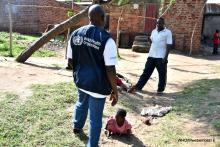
118 124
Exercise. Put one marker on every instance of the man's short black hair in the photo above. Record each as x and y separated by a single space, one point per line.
121 112
217 31
161 18
96 11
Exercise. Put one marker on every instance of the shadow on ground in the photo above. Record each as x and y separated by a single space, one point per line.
131 140
44 67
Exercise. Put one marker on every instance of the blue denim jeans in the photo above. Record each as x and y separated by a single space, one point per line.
95 107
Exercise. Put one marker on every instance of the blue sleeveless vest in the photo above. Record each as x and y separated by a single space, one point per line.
89 72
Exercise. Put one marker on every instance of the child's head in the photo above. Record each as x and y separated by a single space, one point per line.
120 116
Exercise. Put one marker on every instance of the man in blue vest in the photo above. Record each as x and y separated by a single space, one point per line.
93 56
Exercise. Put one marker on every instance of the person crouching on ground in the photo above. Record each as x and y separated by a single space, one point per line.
118 124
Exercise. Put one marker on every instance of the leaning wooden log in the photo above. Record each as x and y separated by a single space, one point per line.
71 22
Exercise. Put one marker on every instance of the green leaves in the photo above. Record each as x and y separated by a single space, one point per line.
172 1
122 2
70 13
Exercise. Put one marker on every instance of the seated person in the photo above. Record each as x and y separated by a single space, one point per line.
118 124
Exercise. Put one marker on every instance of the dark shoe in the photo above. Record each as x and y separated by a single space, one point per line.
159 92
69 68
76 131
132 89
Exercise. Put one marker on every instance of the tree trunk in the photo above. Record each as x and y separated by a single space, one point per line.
118 29
71 22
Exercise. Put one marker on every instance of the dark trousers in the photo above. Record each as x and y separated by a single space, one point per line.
215 49
148 70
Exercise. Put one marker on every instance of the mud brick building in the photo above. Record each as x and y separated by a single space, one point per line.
32 16
184 19
136 18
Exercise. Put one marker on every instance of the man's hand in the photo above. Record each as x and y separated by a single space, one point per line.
111 74
114 98
169 47
165 61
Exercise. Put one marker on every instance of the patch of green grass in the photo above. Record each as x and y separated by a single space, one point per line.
170 130
45 53
216 123
43 120
195 100
21 42
59 38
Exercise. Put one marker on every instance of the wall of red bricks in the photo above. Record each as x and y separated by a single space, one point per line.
132 21
32 19
20 22
181 19
51 15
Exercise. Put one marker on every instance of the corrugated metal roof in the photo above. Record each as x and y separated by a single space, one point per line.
213 2
83 3
212 9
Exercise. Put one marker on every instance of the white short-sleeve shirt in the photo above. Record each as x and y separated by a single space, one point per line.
110 58
159 42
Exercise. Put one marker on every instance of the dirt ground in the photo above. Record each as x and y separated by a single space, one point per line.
182 70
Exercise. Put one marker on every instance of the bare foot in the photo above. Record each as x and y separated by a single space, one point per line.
132 89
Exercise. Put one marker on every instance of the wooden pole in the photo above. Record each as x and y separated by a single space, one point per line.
10 29
118 29
68 34
67 41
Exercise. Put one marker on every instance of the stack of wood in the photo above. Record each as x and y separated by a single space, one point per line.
141 44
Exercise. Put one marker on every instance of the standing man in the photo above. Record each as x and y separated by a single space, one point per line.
92 54
215 43
161 39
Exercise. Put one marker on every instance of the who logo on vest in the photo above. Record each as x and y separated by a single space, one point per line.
77 40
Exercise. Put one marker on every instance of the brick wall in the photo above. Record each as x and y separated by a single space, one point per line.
130 22
32 19
181 20
19 21
51 15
